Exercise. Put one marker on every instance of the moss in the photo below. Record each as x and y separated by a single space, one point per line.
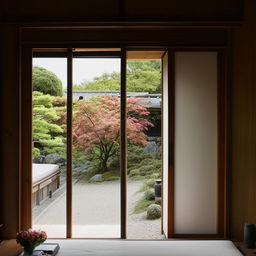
149 184
141 205
153 176
111 175
148 197
134 172
148 168
111 178
80 157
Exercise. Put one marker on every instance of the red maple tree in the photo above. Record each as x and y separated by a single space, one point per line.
96 126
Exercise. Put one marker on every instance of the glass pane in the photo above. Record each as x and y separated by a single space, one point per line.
49 81
96 140
144 168
195 143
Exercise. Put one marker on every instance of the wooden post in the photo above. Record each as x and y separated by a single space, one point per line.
123 147
69 143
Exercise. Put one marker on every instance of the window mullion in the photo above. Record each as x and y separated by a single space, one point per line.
69 143
123 147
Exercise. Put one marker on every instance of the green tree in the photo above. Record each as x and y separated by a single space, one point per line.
46 82
46 132
142 76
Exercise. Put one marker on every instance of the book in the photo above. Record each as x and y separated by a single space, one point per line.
48 248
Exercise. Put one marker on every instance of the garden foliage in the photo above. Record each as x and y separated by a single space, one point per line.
47 134
96 126
46 82
142 76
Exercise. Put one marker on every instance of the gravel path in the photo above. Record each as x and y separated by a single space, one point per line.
98 205
138 226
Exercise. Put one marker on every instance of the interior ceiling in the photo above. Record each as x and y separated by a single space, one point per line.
118 10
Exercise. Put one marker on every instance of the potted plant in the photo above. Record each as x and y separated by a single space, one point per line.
30 239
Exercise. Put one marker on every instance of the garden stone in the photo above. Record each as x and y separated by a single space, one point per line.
154 212
39 159
88 163
81 169
54 159
157 140
96 178
80 177
151 148
84 167
78 169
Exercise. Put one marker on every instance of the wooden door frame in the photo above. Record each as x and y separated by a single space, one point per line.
26 130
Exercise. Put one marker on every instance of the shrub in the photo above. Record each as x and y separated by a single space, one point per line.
134 172
47 135
46 82
153 176
149 194
79 157
36 152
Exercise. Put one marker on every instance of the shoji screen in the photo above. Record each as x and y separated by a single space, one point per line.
195 178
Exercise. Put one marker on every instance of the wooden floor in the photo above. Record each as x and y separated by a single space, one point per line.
10 248
244 250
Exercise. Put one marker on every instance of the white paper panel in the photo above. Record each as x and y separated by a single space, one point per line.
195 210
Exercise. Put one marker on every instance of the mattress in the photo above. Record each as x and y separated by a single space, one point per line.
145 248
41 171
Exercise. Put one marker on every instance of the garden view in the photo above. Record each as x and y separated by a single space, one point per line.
96 151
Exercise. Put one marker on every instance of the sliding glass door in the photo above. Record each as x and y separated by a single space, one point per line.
128 143
96 146
144 147
49 100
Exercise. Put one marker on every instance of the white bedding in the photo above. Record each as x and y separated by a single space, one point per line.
145 248
41 171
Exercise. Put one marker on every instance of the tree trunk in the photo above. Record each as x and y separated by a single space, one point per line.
104 164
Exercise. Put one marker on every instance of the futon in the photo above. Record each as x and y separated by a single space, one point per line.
145 248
